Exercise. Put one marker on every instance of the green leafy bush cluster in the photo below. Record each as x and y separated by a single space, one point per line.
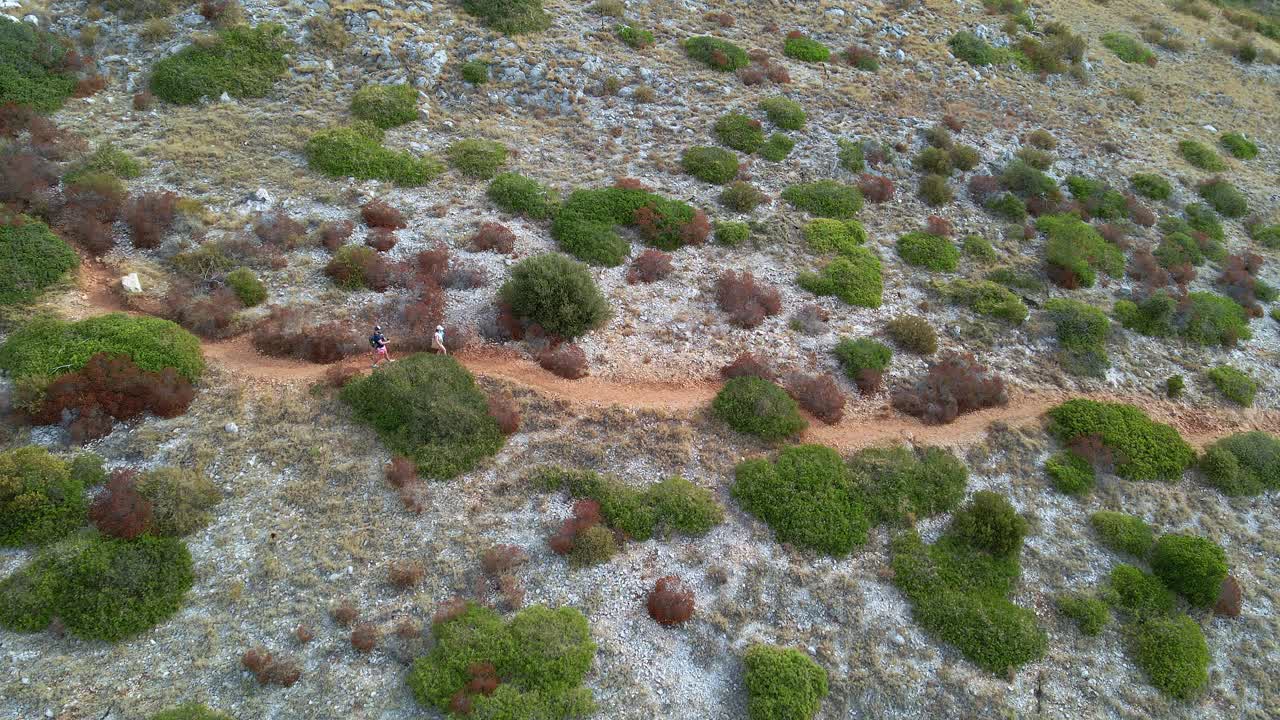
585 225
517 194
1192 566
1225 198
634 37
476 158
1137 592
1151 186
108 159
1143 449
247 287
1239 146
1179 248
357 151
971 48
710 164
243 62
475 72
716 53
732 233
1201 156
1101 200
853 154
1245 463
1234 384
825 235
854 277
1008 206
930 251
429 409
1027 182
556 292
1082 332
1090 613
758 407
935 190
978 248
348 265
739 132
901 485
41 500
1173 653
825 198
856 355
741 196
784 112
669 506
47 347
1071 474
541 656
959 586
386 106
806 49
1123 533
32 71
512 17
782 683
1075 250
1206 319
1200 217
190 711
777 147
944 161
32 258
1127 48
986 297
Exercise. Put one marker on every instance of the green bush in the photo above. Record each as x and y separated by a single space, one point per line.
477 159
970 48
1151 186
40 499
1071 474
777 148
475 72
32 71
356 151
542 656
930 251
1209 319
1038 159
1090 613
1239 146
913 334
732 234
825 235
964 157
1268 236
710 164
1138 593
782 683
933 160
87 469
1192 566
1202 217
247 286
987 298
758 407
1178 248
519 195
429 409
783 112
1245 463
1098 198
190 711
861 354
105 159
1201 156
902 485
739 132
825 198
180 500
243 62
989 523
1234 384
669 506
1123 533
1027 182
1127 48
935 191
386 106
1008 206
634 38
1225 198
595 545
348 263
1082 332
979 248
1174 386
854 277
47 347
850 155
1173 653
807 496
1076 248
715 53
512 17
1143 449
585 225
32 258
741 196
806 49
556 292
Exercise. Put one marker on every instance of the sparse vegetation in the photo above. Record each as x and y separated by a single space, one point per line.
1128 48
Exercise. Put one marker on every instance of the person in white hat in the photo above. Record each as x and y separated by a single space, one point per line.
437 342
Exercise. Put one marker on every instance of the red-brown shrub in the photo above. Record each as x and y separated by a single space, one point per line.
748 365
89 85
337 376
449 610
795 35
653 225
671 601
512 591
52 142
304 634
14 119
378 214
1037 206
855 54
1063 277
566 360
210 316
143 100
1113 234
407 628
149 216
778 74
875 188
286 333
508 323
758 56
649 266
502 559
503 410
1094 450
629 183
405 574
94 197
818 394
940 226
94 235
1145 268
112 387
120 511
953 123
276 228
1239 281
432 265
586 513
364 637
482 679
983 187
747 302
810 319
869 381
494 237
344 612
1139 213
380 239
269 669
752 75
955 384
401 471
722 19
334 233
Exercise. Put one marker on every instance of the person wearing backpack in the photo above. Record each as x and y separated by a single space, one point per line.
378 342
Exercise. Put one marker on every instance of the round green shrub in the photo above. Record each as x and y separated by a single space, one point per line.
1027 182
933 160
1151 186
1225 198
556 292
585 225
929 251
710 164
1127 48
593 546
429 409
1144 449
1245 463
1174 655
806 496
1201 156
716 54
1138 593
32 258
1202 217
964 157
825 235
987 298
475 158
856 355
247 286
1123 533
46 347
1174 386
1090 613
190 711
33 73
512 17
87 469
1210 319
243 62
806 49
634 38
1192 566
180 500
741 196
850 155
386 106
902 485
854 277
347 266
989 523
1234 385
685 507
739 132
784 112
732 234
1071 474
1082 332
1239 146
913 334
517 194
758 407
40 499
782 684
825 198
777 148
935 190
1075 248
475 72
976 247
106 159
970 48
1008 206
356 151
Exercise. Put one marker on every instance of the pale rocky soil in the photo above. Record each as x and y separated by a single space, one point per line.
308 519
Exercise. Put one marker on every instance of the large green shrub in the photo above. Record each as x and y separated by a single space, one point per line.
710 164
1234 384
47 347
716 53
1071 474
1143 449
930 251
32 72
784 112
807 496
1239 146
1151 186
476 158
902 485
1139 594
517 194
190 711
558 293
1201 156
806 49
541 656
777 147
987 298
40 500
825 235
243 62
1027 182
1225 198
668 506
386 106
1203 318
1082 331
912 333
989 523
825 198
32 258
1173 653
854 277
512 17
1127 48
856 355
1123 533
1076 249
585 226
1090 613
782 683
1245 463
247 287
105 159
1192 566
758 407
180 499
429 409
357 151
739 132
970 48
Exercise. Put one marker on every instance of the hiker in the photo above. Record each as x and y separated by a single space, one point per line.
437 342
378 342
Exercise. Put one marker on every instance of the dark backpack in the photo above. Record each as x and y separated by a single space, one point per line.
375 341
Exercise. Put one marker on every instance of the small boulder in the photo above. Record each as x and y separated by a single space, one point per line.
131 283
1229 599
